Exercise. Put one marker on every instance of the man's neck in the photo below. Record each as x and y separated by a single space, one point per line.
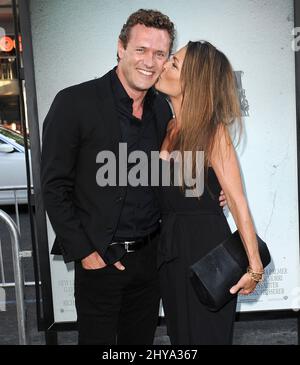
136 95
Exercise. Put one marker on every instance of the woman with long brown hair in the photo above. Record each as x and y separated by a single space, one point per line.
200 84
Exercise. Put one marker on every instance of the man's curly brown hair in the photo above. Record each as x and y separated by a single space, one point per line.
149 18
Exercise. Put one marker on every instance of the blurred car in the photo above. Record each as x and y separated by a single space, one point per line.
12 166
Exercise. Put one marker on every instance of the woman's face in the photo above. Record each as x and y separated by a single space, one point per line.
169 80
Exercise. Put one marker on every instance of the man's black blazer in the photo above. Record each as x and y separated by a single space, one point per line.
81 122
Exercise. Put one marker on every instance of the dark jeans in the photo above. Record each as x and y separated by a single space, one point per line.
119 307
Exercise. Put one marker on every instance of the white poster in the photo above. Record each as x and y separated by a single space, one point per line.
74 41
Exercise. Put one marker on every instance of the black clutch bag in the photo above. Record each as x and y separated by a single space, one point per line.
215 273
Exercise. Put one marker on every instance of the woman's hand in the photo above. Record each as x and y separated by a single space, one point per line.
222 199
246 285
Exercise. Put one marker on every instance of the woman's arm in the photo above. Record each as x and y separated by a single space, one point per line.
225 164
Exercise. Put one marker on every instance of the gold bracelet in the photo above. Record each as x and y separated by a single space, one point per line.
256 276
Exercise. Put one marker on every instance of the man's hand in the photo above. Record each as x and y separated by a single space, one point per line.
222 199
94 261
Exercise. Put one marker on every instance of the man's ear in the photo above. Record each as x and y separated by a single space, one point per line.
121 49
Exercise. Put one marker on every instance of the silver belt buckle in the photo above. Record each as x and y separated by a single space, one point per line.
127 246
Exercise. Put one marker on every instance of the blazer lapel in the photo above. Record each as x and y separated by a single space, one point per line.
161 119
109 116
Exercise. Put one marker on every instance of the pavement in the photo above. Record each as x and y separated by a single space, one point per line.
282 331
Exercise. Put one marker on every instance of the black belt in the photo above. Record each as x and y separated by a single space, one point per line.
133 245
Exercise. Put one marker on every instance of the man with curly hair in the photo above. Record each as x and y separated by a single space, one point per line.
110 232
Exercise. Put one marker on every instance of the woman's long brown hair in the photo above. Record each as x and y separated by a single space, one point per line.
210 100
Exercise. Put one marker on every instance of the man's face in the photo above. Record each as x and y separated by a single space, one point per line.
142 61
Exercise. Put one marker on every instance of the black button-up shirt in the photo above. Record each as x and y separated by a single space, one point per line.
140 211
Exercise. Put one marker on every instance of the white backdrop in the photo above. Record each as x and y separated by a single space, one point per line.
75 41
